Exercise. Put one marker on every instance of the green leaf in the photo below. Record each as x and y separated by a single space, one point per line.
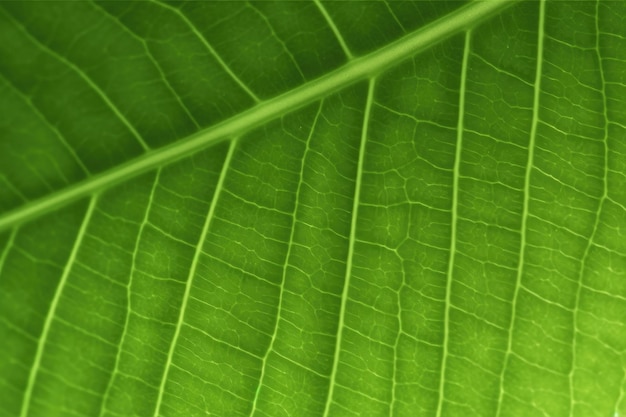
313 208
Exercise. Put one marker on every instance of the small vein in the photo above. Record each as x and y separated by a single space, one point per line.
85 78
8 185
154 61
596 224
34 370
287 258
192 273
453 222
334 28
7 248
210 48
144 222
285 48
355 213
395 17
52 127
525 213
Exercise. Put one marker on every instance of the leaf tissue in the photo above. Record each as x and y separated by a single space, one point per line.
313 208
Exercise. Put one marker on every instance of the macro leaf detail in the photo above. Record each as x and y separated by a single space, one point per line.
313 208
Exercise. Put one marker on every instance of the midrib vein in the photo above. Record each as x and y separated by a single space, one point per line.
192 273
355 70
353 224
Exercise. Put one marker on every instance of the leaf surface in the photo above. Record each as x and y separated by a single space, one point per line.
312 208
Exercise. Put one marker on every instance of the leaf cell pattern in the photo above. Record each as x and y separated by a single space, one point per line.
320 208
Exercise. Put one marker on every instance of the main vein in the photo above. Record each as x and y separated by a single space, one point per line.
192 274
523 226
43 339
453 223
352 72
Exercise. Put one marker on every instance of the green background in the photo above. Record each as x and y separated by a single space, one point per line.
444 236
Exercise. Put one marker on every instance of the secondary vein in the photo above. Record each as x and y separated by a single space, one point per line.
192 274
353 224
43 339
453 222
525 213
292 238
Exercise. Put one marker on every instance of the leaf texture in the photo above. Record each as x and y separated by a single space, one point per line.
313 208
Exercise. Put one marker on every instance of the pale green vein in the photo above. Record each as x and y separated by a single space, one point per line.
334 28
621 397
288 52
596 224
210 48
7 249
192 273
353 224
129 285
8 185
287 258
453 223
44 119
393 14
525 213
263 112
175 94
103 96
43 339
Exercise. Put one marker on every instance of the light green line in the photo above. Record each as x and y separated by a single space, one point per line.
129 287
210 48
86 78
192 274
335 30
596 224
356 70
43 339
353 224
290 245
453 223
525 213
7 248
44 121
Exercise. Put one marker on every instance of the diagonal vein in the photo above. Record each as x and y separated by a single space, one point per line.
453 222
127 29
210 48
34 370
103 96
7 249
48 123
334 28
353 224
352 72
192 273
